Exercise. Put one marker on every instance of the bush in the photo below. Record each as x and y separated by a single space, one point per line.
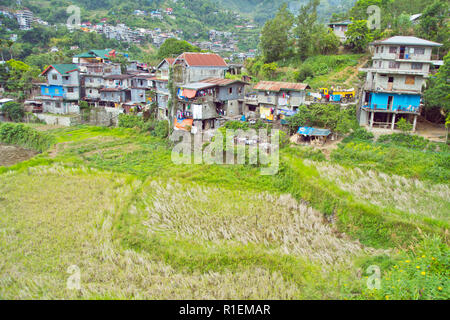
24 136
404 126
14 111
360 134
162 129
423 275
130 121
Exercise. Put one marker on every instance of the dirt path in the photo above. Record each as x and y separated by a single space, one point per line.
10 155
356 72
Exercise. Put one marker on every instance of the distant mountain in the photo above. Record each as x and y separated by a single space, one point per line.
262 10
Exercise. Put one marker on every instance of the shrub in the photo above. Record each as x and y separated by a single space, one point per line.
404 125
423 275
162 129
27 137
130 121
14 111
360 134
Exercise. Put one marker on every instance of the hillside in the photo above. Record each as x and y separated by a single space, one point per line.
262 10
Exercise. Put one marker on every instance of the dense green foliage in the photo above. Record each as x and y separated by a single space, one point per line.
328 116
14 111
173 48
24 136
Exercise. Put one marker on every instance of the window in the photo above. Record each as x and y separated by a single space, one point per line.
47 90
410 80
382 49
55 77
392 49
416 66
394 65
377 49
56 91
230 91
419 51
70 90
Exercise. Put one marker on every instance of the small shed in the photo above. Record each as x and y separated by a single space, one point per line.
313 135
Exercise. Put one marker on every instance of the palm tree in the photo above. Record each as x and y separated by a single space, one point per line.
9 44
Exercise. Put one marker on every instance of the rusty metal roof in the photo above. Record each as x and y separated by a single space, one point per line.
221 82
280 86
203 60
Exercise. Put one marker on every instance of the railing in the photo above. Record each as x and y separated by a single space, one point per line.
385 107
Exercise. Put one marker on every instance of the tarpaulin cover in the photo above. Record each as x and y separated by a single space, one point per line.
189 93
182 124
307 131
288 113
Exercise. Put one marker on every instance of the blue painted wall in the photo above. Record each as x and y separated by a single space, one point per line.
52 90
401 102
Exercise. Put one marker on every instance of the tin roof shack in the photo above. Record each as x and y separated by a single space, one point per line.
393 88
194 67
271 96
61 93
312 136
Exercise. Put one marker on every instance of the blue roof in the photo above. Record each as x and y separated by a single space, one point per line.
307 131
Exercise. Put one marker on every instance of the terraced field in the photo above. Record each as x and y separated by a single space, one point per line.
111 203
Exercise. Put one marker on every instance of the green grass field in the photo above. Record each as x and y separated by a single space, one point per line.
112 203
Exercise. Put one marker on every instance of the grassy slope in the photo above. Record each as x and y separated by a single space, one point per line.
131 220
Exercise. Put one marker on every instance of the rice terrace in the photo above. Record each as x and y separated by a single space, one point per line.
111 203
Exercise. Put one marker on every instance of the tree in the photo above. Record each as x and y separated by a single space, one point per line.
306 22
14 111
434 23
358 36
326 41
437 94
173 47
275 40
404 126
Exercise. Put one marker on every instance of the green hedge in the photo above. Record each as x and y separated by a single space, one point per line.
25 136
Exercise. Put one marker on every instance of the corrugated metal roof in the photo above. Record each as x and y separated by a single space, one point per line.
221 82
203 60
198 85
308 131
406 40
279 86
118 76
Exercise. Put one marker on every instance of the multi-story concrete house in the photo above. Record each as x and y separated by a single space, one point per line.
394 84
24 19
92 80
61 93
117 90
193 67
211 99
142 89
271 97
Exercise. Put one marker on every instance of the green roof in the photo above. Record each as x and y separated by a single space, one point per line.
104 54
63 68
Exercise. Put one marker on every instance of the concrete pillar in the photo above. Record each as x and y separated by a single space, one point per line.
393 121
415 124
372 117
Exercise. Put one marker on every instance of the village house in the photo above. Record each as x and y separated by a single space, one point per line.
211 101
270 98
92 81
340 28
61 93
394 83
117 90
193 67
